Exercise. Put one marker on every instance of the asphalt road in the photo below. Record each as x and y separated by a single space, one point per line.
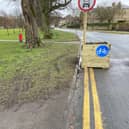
113 84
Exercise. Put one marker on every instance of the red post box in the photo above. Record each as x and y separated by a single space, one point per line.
20 37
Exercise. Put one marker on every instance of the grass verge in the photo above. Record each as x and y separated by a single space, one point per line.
26 75
12 34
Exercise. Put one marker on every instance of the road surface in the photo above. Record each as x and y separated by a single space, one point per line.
112 84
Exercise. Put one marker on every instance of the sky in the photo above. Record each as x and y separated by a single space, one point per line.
111 1
13 8
9 7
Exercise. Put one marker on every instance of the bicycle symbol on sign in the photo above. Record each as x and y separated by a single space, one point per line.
102 51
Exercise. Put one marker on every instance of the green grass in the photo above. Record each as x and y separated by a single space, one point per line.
12 34
64 36
27 75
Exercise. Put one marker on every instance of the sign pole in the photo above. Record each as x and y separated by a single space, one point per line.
84 27
85 6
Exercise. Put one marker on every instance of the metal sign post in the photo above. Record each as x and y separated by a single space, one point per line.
84 27
85 6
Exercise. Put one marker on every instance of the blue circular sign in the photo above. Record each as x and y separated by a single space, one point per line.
102 51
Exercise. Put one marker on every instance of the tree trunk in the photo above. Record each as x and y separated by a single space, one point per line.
31 28
46 26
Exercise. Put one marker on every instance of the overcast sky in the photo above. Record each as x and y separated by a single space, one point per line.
12 8
9 7
110 1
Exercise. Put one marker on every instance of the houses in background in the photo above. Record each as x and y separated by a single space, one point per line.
119 21
124 17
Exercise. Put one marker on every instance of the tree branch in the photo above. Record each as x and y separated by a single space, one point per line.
59 5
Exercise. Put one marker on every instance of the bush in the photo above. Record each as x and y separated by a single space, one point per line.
73 25
98 24
123 26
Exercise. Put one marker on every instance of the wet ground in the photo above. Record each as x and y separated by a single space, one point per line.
113 84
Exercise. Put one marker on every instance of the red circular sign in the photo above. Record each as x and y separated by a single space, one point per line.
86 2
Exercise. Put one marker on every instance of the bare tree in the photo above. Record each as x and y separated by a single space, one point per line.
5 21
73 9
108 13
38 11
31 28
101 13
47 7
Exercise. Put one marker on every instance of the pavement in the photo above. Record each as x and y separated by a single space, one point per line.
112 84
3 40
43 114
68 42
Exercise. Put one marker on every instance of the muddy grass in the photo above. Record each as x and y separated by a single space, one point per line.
28 76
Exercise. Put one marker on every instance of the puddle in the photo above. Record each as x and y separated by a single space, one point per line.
119 66
120 62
